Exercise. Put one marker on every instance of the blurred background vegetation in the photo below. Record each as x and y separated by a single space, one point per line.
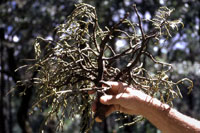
21 21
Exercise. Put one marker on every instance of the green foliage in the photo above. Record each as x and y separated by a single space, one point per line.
70 66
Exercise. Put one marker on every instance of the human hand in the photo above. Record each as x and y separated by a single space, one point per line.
121 98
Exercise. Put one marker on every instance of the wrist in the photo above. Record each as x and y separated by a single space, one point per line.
155 110
142 102
151 106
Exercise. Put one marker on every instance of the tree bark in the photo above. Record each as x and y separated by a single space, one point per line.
22 114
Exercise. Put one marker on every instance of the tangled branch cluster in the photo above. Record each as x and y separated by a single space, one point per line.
82 58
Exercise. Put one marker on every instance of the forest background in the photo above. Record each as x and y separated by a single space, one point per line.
21 21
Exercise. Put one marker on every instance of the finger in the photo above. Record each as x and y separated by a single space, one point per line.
109 110
94 106
105 84
91 92
101 110
109 99
113 99
119 108
97 119
112 109
116 87
115 108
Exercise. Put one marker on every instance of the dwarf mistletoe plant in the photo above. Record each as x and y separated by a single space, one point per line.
81 59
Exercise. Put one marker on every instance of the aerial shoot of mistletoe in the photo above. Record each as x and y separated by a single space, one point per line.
81 59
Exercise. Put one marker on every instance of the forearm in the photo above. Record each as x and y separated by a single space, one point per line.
167 119
132 101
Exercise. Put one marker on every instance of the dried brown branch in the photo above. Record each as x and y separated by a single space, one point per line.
140 23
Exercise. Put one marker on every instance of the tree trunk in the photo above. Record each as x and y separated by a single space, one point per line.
22 114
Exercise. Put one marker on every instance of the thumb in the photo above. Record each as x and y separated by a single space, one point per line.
109 99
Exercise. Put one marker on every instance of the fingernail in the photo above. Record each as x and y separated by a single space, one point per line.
97 119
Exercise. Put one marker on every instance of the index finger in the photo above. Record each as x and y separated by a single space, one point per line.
91 92
116 87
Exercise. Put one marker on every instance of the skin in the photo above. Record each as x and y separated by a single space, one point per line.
134 102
